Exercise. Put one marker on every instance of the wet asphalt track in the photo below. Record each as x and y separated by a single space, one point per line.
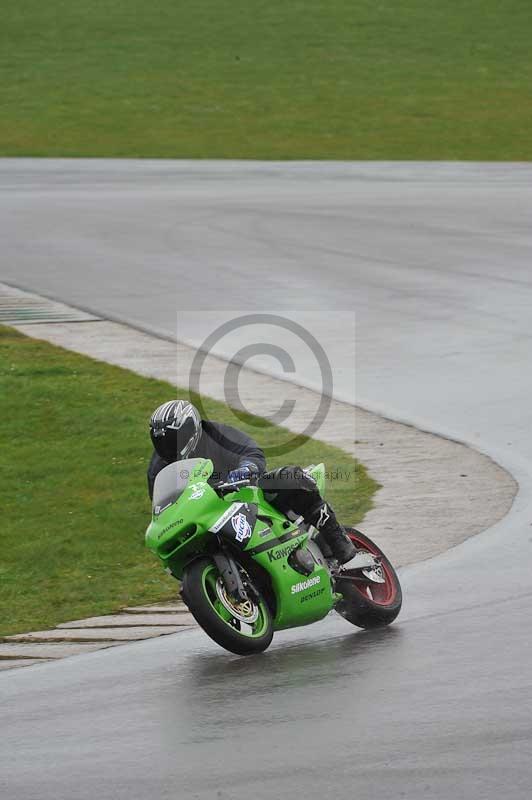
437 262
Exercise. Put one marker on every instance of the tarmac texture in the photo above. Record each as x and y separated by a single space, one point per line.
436 261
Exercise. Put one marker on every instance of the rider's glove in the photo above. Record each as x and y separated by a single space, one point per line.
246 471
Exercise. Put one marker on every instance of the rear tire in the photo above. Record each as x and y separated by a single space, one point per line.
210 605
365 604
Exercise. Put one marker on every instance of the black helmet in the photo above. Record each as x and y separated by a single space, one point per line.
175 429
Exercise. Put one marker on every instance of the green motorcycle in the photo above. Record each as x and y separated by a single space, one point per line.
248 570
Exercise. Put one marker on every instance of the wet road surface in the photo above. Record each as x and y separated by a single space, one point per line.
432 707
437 263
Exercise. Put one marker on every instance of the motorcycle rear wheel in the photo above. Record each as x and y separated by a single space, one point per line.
364 603
242 628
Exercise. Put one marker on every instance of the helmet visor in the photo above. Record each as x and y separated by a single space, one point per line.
174 443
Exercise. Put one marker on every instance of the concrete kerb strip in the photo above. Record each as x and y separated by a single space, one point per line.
94 633
435 492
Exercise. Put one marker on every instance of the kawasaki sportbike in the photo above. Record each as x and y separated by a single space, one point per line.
248 570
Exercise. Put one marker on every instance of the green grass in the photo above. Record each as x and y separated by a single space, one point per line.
74 451
343 79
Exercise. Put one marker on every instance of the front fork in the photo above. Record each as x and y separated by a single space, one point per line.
230 575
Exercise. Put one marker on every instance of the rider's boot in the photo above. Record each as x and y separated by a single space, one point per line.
324 519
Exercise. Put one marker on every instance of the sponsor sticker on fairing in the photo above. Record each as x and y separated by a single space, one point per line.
241 527
197 491
302 585
226 516
312 595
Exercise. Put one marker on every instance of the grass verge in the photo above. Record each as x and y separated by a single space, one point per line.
249 79
74 451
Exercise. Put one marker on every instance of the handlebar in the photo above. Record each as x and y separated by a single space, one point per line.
227 488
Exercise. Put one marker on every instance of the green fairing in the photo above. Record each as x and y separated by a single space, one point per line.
181 532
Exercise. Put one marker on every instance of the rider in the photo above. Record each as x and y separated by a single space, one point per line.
178 432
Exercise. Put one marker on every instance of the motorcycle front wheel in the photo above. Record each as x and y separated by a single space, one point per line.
367 603
243 628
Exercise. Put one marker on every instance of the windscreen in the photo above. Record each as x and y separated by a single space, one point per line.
171 482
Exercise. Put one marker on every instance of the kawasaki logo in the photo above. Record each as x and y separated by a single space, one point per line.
283 552
302 585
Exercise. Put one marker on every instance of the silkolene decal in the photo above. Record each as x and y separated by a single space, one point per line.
302 585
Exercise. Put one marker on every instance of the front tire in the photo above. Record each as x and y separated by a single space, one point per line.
241 628
366 604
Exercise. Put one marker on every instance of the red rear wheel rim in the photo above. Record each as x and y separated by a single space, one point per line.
381 594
